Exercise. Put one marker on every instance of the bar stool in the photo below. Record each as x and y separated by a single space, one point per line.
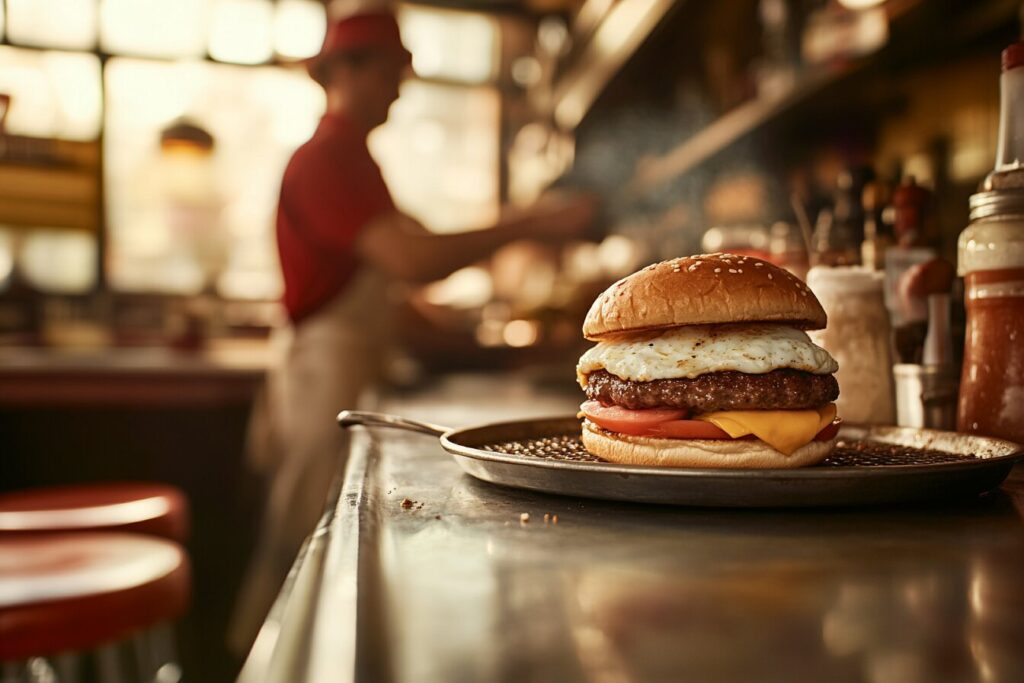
90 606
145 508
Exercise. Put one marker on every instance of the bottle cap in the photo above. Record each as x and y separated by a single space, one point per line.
911 204
1013 56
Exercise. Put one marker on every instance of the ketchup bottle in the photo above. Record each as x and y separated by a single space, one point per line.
991 259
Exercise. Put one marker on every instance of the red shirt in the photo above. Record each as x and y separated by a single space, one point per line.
331 190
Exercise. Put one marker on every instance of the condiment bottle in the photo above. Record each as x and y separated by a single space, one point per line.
938 345
991 259
912 214
838 232
857 336
877 232
911 223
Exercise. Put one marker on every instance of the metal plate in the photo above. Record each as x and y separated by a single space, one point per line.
545 455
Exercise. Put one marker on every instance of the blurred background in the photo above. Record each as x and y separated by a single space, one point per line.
143 143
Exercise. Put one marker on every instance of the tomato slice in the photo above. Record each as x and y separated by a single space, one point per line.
626 421
830 430
666 423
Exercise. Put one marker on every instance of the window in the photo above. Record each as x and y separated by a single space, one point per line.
59 261
154 28
439 154
181 220
53 94
299 27
67 24
447 45
242 31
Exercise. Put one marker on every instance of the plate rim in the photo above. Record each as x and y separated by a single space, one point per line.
611 468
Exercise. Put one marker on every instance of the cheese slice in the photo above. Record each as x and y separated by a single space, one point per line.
783 430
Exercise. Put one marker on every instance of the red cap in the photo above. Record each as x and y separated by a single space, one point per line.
1013 56
373 30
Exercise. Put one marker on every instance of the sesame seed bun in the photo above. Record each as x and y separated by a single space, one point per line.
702 290
711 453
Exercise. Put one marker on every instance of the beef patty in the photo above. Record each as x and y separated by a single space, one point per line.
784 389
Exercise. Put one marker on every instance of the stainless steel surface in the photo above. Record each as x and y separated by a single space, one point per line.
546 455
926 395
457 588
454 587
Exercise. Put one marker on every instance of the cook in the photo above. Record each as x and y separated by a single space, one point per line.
341 240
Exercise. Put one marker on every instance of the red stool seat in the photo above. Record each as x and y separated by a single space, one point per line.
154 509
69 592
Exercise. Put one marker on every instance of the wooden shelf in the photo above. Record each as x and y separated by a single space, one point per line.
609 45
767 108
734 125
49 183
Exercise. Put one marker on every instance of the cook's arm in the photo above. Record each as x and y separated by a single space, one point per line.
401 247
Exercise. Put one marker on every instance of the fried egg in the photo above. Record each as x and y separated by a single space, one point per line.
693 350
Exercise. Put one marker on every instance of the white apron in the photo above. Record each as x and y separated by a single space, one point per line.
324 364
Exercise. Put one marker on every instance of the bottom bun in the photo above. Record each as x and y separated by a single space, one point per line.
714 453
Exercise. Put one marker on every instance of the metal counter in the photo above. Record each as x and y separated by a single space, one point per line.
456 587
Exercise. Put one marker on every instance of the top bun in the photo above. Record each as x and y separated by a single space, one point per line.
703 290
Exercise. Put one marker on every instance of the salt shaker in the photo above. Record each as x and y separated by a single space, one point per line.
857 336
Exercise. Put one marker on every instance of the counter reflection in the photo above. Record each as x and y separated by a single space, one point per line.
882 596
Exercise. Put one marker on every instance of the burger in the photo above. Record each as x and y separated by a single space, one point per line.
703 361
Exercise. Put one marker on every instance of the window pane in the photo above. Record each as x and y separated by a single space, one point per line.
53 94
299 27
179 221
67 24
439 154
154 28
457 46
59 261
241 31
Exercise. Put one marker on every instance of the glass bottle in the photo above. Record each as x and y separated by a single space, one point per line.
877 231
838 232
991 259
857 336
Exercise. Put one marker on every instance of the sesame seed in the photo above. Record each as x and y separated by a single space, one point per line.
718 270
732 270
803 293
770 276
758 265
739 270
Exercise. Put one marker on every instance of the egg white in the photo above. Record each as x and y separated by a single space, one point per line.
693 350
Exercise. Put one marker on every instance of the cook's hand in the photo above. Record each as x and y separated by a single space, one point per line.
564 216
